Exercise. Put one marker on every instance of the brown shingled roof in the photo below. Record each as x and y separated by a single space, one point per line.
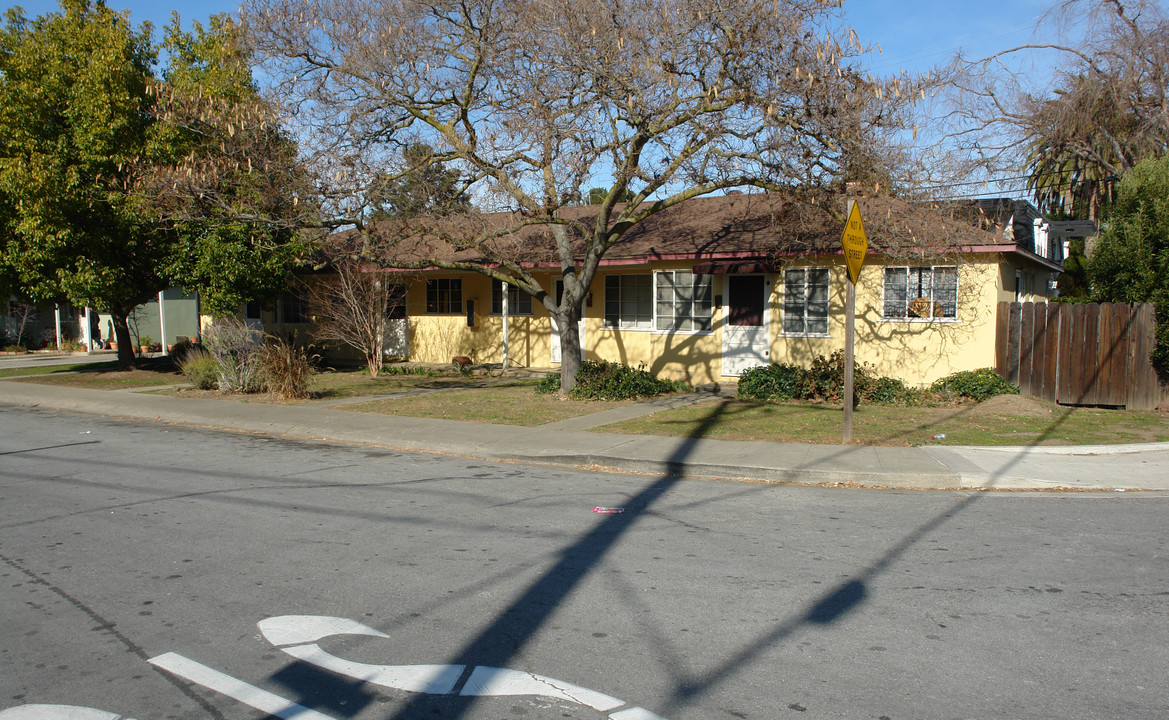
756 225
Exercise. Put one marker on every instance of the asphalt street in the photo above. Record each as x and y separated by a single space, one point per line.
156 571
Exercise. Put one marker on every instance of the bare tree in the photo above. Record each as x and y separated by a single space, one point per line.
354 308
534 101
24 314
1104 111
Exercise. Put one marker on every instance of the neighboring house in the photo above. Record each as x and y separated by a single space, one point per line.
716 285
179 318
39 324
1021 222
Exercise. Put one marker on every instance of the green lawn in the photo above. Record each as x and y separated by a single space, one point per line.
334 385
512 405
101 376
1010 420
1007 420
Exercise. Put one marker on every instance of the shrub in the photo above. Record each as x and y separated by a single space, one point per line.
611 381
407 370
233 345
285 368
975 384
774 382
616 381
180 350
827 377
823 381
549 384
891 391
200 369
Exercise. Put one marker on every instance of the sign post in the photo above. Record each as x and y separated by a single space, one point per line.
855 246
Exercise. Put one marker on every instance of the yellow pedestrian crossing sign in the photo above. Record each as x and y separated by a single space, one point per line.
854 242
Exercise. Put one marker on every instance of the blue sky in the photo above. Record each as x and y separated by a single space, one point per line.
913 34
916 34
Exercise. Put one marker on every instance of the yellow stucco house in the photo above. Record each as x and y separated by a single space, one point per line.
716 285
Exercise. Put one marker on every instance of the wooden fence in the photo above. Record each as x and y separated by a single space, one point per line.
1079 353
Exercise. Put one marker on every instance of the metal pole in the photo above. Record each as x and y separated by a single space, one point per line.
849 332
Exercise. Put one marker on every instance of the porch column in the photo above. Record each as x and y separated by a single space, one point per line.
504 326
57 322
86 335
162 322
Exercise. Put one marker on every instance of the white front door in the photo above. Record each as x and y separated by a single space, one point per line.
745 322
397 340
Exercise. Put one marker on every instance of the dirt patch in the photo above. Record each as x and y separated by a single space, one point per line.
1014 406
106 379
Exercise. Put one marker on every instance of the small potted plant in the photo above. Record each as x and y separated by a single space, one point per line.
144 343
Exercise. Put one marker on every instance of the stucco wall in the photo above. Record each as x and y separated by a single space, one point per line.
440 337
913 350
916 351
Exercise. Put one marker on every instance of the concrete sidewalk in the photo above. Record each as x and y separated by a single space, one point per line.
1110 468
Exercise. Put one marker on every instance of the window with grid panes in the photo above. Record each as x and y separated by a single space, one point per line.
518 301
629 301
444 296
684 301
920 293
805 301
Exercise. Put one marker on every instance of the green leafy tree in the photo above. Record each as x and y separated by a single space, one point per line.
1073 281
74 114
1131 260
226 162
597 195
426 186
89 135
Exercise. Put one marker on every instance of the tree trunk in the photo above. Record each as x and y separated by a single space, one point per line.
569 349
122 336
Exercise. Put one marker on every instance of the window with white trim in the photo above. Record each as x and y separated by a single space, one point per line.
921 293
444 296
685 301
629 302
518 301
805 301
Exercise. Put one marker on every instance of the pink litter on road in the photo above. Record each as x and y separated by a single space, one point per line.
610 510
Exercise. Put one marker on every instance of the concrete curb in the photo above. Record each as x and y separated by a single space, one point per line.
1083 468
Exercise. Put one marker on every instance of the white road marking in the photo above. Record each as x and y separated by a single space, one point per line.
56 712
635 714
297 629
501 681
285 630
296 636
239 690
433 679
